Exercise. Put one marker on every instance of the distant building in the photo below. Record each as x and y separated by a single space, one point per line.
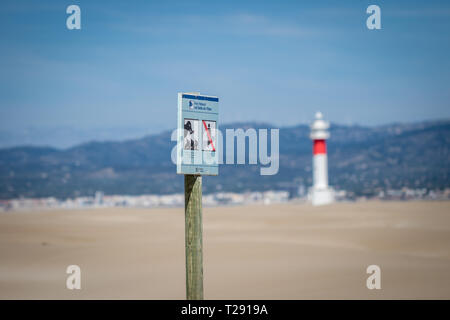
98 200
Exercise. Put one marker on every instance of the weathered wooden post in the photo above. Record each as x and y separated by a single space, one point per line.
196 156
193 236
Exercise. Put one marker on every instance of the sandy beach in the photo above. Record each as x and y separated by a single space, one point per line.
286 251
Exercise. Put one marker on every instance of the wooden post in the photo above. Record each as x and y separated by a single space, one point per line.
193 236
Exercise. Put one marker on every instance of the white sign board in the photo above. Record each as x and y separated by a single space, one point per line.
197 134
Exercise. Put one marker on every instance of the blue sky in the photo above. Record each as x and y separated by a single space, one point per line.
271 61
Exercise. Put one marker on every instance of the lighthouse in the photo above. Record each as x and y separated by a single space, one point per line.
320 193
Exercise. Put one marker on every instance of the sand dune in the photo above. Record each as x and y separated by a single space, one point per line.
256 252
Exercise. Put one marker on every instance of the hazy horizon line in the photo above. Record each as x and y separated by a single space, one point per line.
167 131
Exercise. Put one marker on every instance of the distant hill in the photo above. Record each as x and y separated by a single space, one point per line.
362 160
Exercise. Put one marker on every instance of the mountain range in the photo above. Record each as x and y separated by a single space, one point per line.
362 160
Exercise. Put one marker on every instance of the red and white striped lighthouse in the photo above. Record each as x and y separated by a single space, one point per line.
320 193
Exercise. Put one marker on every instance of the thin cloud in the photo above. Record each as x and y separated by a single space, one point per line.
421 13
250 24
236 25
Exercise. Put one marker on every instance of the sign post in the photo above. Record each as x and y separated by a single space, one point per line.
197 155
193 236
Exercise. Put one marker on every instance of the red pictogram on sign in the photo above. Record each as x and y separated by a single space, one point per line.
209 136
